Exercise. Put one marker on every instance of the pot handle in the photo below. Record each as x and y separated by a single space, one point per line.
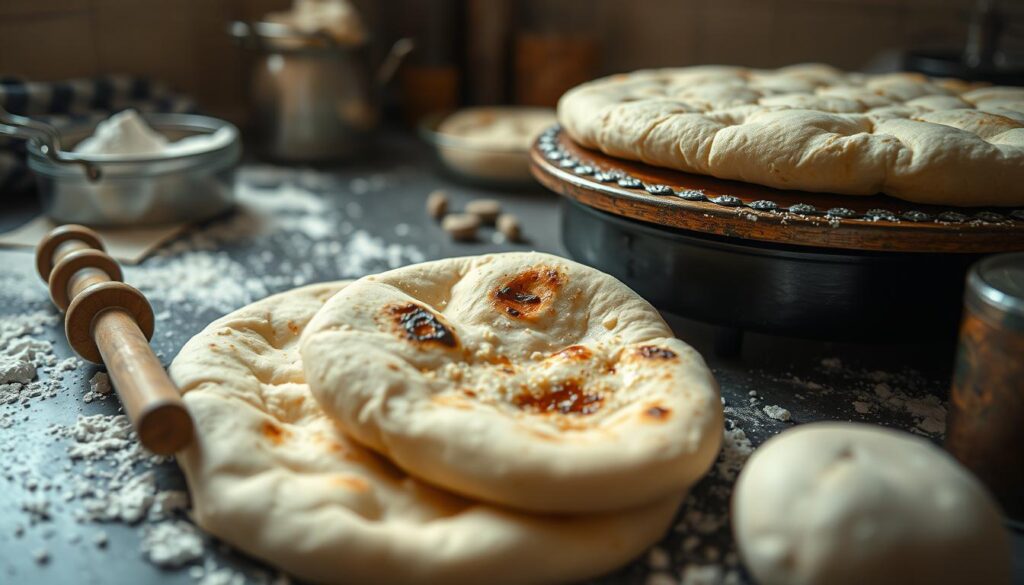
399 51
48 138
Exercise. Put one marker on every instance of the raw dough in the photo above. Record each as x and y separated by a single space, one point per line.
849 504
521 378
492 143
814 128
270 474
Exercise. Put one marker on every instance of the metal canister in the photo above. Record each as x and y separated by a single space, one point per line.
314 99
985 429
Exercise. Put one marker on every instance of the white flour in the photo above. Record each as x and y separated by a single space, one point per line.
705 520
172 544
777 412
315 239
127 135
99 388
877 392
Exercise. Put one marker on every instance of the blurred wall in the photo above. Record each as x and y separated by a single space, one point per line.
183 42
772 33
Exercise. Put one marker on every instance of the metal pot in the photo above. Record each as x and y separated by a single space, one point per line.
313 99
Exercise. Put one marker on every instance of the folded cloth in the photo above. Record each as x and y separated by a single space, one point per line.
75 101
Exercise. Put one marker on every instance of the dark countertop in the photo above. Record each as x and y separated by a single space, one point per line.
374 210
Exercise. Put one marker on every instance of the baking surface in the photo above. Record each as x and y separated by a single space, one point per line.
736 209
344 223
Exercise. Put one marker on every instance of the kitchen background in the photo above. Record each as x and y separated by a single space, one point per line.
183 42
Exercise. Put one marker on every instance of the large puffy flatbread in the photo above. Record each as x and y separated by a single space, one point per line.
522 379
270 473
813 128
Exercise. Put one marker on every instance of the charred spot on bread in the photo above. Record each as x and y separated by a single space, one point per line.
274 433
564 397
421 325
574 352
653 352
351 482
528 293
657 412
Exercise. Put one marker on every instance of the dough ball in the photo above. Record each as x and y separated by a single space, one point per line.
855 504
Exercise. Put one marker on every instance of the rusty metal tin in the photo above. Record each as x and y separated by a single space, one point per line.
985 430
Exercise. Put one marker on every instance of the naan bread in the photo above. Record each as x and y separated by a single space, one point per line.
523 379
270 474
814 128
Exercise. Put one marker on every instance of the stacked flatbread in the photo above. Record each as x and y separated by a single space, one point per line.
813 128
512 418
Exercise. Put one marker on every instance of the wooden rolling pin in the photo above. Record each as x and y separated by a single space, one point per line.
109 322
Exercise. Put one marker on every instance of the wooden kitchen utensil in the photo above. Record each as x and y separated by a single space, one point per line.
110 322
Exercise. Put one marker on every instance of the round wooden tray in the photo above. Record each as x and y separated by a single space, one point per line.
734 209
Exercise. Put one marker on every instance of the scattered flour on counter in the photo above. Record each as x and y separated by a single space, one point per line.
861 407
705 518
364 253
736 449
15 370
212 574
172 544
168 503
38 508
99 388
208 279
290 236
23 287
24 356
117 483
878 393
777 412
20 353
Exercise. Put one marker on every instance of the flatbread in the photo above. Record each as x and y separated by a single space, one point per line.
813 128
522 379
270 474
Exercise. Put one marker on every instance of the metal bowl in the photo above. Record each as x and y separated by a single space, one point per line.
140 190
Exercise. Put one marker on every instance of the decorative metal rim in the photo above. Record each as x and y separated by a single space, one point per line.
550 148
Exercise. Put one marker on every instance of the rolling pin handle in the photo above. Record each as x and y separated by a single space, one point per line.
66 272
81 318
110 322
77 237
